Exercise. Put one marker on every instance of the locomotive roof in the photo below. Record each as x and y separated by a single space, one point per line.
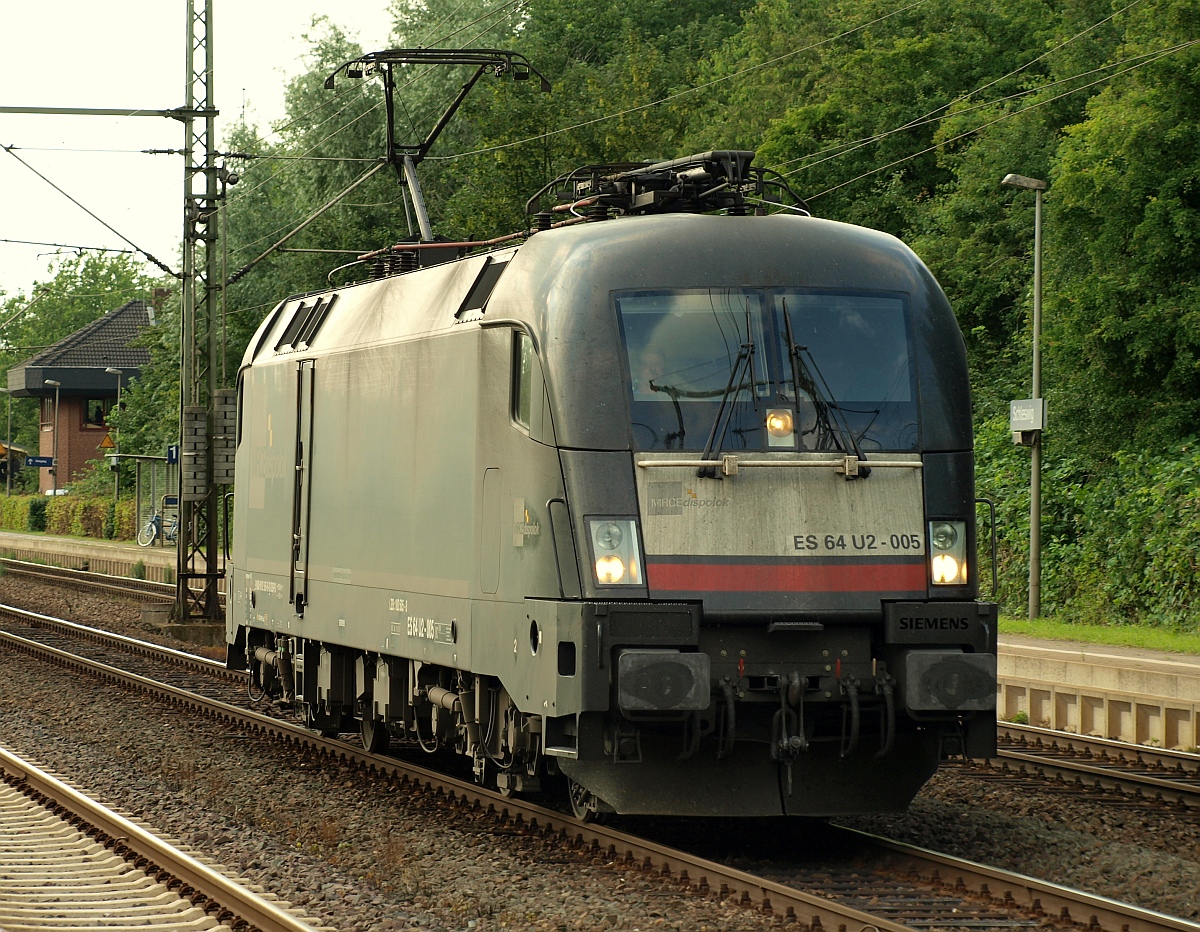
560 283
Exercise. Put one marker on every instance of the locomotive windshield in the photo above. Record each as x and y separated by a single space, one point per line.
850 353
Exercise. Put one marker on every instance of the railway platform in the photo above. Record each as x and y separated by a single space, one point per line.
1127 694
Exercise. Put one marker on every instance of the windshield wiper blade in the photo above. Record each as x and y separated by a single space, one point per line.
831 420
737 374
673 393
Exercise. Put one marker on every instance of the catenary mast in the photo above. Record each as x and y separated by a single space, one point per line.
205 460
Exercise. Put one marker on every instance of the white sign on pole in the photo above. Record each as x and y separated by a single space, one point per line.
1028 414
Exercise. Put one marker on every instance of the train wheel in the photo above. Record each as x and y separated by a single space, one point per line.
583 802
375 735
320 722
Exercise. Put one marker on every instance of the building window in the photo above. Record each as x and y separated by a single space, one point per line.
47 414
95 412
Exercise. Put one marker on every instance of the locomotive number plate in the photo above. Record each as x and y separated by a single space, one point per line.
846 543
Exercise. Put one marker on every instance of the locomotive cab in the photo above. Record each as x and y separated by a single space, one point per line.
766 447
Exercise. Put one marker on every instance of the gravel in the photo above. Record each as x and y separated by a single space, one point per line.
387 859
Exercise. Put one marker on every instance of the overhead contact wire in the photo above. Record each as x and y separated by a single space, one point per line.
149 256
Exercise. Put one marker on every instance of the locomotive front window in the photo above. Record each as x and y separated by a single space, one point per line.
689 351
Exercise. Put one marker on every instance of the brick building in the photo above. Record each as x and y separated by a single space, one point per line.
87 389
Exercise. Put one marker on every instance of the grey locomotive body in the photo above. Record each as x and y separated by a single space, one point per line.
679 507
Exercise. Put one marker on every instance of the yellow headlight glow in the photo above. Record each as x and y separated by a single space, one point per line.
781 428
610 569
947 570
779 422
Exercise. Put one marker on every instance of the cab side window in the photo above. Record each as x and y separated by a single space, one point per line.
522 387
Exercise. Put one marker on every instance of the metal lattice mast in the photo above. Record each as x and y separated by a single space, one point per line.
198 556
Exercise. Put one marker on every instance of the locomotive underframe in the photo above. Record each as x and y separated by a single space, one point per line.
778 721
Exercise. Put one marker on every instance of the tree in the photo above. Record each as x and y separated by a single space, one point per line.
1125 304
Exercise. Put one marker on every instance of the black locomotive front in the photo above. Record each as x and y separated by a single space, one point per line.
765 434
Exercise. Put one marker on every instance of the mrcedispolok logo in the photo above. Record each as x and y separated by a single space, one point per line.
671 498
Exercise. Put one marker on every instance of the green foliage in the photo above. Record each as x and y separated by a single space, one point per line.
1136 559
37 513
1126 296
76 516
14 512
1119 543
125 520
138 570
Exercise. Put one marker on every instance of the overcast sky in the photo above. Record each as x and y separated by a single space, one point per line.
128 54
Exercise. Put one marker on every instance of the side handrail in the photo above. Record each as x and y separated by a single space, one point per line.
992 526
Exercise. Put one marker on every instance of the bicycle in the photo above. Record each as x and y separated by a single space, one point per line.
154 530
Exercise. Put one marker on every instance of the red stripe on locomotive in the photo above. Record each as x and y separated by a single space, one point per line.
794 577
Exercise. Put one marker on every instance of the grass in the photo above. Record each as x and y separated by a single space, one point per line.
1149 638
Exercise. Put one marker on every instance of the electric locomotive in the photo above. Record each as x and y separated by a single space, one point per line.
671 502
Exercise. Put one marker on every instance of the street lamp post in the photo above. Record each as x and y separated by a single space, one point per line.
54 468
117 450
1037 186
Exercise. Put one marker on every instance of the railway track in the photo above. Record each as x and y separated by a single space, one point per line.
1145 775
145 590
922 889
69 863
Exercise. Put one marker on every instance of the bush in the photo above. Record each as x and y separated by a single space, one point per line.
125 520
1136 558
37 514
14 512
1120 540
72 516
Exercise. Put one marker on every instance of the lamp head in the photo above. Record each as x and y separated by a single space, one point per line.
1020 181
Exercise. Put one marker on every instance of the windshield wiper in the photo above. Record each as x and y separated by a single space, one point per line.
673 393
831 420
743 364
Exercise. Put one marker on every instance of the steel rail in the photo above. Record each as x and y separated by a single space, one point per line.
134 843
141 589
1107 777
133 645
1123 750
1036 756
699 875
1053 901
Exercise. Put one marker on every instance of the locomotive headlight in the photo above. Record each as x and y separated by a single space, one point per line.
609 570
948 552
609 536
780 428
943 535
616 557
945 570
